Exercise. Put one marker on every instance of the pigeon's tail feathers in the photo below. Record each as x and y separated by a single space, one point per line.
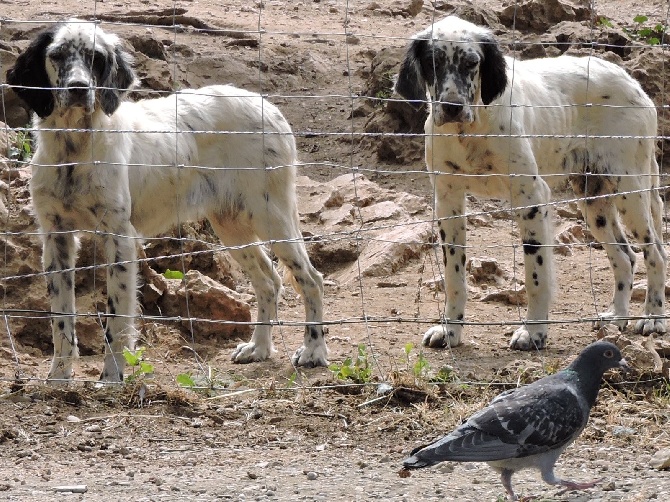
465 444
418 461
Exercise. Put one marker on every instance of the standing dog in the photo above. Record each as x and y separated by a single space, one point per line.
505 128
127 169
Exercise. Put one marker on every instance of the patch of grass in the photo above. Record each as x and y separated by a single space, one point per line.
662 392
604 21
356 369
421 369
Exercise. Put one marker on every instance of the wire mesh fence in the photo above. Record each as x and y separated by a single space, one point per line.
367 206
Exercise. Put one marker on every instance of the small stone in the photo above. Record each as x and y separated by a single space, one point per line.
610 486
311 475
660 459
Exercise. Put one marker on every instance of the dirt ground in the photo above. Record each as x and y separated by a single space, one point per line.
269 431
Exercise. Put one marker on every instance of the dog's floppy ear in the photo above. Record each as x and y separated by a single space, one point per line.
493 70
411 84
30 71
120 78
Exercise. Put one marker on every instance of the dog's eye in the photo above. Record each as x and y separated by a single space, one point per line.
470 62
56 55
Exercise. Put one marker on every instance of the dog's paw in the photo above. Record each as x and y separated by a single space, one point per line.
649 326
251 352
442 336
523 340
606 318
60 374
310 357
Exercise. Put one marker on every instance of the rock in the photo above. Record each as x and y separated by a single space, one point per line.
70 489
569 235
508 296
406 8
540 15
484 270
639 357
208 300
661 459
389 251
149 46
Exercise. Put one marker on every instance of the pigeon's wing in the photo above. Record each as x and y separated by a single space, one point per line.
528 421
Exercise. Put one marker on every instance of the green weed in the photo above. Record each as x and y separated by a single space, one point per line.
642 31
173 274
135 359
22 149
357 369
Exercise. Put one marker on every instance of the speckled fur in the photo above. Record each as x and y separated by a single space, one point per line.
118 168
477 143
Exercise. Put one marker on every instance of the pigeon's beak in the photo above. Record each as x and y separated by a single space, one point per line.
623 364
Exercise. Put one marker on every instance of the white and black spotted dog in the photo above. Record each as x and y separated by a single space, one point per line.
127 169
500 127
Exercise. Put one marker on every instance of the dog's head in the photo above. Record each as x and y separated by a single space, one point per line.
455 64
73 65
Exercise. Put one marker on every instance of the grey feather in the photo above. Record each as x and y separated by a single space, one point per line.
528 427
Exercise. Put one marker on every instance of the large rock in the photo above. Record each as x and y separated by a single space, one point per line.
213 309
540 15
358 227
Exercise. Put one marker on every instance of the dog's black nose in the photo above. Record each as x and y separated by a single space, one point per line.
452 110
77 88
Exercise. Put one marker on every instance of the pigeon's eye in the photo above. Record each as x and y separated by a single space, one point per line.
609 354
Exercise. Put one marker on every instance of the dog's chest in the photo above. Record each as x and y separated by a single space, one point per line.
462 154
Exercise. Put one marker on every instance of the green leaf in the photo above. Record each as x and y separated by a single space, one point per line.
185 380
146 368
605 21
408 348
173 274
132 358
640 19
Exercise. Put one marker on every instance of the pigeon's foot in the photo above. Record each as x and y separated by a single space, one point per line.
573 485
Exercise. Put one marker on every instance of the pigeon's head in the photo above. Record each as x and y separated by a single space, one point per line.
590 365
599 357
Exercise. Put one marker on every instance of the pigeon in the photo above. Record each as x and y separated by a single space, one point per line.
530 426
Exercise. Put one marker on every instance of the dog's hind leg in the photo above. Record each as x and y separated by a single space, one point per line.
639 210
287 244
121 254
58 258
603 221
264 279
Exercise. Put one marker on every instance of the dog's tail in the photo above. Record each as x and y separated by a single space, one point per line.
289 278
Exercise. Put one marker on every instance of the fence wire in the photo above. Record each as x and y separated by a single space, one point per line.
343 98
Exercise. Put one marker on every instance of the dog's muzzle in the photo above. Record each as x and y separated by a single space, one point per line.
78 93
451 111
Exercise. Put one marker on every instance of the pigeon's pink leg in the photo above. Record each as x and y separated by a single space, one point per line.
506 478
573 485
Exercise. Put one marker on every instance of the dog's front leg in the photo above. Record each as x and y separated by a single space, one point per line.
450 210
532 194
58 258
120 252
